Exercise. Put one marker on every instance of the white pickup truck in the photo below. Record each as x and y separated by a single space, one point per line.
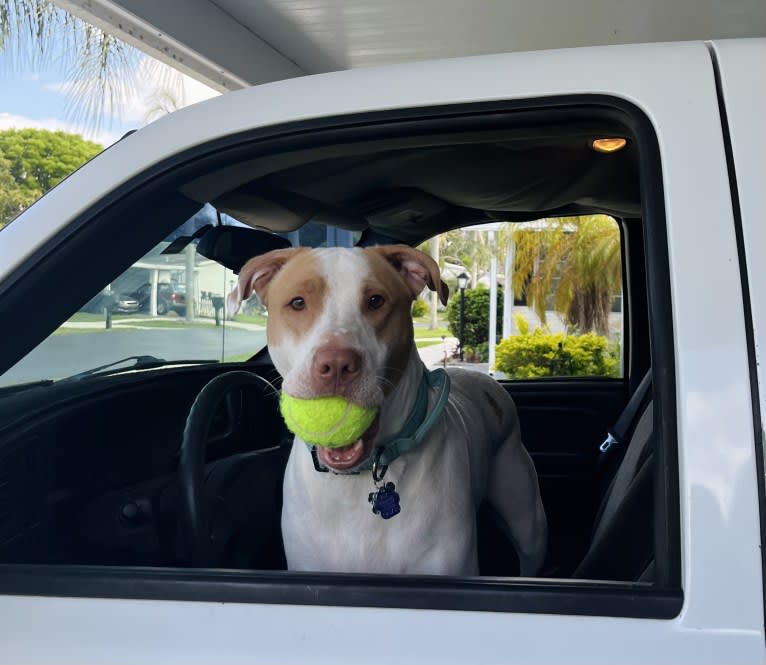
654 557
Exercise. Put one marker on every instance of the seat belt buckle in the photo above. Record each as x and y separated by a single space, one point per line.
608 443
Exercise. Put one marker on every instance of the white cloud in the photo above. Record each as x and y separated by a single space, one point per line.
137 100
11 121
139 90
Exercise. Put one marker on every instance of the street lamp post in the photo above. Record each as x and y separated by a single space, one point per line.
462 282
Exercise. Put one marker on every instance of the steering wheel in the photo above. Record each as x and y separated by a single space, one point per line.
193 516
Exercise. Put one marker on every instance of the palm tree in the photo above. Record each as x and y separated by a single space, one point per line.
163 102
102 71
470 246
573 260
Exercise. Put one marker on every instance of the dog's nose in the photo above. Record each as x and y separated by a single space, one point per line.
334 368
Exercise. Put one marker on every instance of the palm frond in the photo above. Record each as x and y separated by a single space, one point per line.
573 263
102 73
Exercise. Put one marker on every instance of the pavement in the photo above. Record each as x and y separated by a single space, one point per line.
436 354
440 355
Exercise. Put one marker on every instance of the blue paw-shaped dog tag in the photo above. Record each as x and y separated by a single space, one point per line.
385 501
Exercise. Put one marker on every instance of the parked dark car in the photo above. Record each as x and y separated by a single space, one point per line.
169 298
123 303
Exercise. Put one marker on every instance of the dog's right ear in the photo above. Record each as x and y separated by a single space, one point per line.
256 275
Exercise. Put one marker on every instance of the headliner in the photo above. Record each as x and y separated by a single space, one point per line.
409 189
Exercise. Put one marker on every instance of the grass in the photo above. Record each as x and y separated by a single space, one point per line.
169 323
239 358
251 318
441 319
79 331
88 317
423 333
425 343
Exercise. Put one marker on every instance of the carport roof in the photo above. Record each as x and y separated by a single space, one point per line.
229 44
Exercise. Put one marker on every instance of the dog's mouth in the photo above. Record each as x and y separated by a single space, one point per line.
347 458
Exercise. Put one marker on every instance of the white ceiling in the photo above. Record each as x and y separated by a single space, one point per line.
232 43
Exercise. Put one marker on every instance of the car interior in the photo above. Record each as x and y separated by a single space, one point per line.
134 468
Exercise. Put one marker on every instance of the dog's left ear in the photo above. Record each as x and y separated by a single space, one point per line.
418 269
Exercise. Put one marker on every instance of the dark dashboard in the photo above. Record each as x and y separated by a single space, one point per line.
88 469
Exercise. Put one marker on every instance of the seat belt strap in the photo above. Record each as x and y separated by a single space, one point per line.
627 420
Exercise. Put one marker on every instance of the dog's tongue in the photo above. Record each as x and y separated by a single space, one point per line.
345 454
347 457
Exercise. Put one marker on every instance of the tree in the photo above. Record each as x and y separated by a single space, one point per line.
13 199
576 262
470 247
34 160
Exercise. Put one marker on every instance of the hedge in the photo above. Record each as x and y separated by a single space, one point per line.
542 353
476 316
419 308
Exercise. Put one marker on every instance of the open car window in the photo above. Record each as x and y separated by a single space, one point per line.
558 296
168 306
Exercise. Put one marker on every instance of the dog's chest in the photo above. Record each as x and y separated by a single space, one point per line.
328 523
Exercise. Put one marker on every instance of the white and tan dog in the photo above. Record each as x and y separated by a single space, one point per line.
340 324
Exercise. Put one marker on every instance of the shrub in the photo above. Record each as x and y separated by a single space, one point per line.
476 316
476 354
547 354
419 308
522 325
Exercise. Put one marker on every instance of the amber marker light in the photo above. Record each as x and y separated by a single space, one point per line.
612 144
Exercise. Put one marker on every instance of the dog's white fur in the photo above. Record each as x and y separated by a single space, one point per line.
473 452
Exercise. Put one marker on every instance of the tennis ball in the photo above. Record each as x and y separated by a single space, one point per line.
331 422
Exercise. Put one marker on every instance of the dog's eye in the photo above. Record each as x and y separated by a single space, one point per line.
298 303
375 302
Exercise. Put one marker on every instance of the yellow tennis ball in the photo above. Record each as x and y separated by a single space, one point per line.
331 422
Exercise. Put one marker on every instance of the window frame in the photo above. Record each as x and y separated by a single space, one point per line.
157 185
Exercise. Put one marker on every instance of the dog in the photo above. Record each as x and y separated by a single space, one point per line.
339 323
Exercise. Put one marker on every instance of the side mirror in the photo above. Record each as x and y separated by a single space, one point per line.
233 246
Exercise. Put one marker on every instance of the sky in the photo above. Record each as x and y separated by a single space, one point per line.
38 97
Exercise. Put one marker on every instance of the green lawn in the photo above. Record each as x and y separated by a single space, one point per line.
441 319
251 318
167 324
170 323
430 342
87 317
240 358
421 333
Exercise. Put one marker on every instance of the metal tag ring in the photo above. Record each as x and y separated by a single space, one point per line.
375 463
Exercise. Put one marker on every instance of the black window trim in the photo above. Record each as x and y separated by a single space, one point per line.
663 600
